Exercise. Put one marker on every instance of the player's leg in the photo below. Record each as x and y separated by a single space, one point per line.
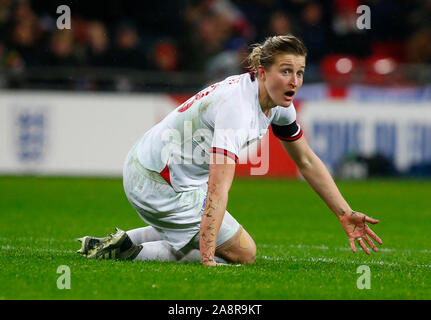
137 236
239 248
163 251
121 246
145 234
157 251
234 244
115 246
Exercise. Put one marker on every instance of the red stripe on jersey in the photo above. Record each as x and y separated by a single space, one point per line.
226 153
165 174
294 138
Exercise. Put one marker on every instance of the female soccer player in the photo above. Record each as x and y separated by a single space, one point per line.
178 175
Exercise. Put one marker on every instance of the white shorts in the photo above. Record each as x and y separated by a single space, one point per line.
175 215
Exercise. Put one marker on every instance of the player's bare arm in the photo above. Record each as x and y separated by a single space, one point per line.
317 175
222 169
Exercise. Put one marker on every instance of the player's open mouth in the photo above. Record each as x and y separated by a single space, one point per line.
289 93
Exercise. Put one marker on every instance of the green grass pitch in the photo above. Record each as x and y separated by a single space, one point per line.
303 253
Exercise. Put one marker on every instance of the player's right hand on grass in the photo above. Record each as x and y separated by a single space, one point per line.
355 225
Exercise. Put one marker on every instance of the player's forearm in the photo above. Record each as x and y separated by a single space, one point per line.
212 218
317 175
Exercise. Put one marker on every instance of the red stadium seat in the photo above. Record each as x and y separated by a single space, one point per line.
380 70
339 70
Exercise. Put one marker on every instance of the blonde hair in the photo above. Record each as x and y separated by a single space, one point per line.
264 54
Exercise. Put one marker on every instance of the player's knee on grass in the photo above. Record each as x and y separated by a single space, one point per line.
240 248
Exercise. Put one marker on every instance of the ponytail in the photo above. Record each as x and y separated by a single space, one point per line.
264 54
254 57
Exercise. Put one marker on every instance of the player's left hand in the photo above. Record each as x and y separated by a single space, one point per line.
354 224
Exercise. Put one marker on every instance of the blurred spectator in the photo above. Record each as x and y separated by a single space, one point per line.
387 20
205 40
5 16
313 32
25 35
127 52
194 12
419 47
227 63
61 52
237 21
347 37
419 17
279 24
214 26
3 62
24 40
214 30
23 12
98 53
258 13
165 56
344 21
208 36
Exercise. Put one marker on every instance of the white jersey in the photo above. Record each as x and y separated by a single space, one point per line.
223 118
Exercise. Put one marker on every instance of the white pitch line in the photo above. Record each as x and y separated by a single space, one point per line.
277 246
8 247
332 260
280 246
301 246
290 258
36 239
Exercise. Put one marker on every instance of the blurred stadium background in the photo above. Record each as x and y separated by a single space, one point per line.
74 101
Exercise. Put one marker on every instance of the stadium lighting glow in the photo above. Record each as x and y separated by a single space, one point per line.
344 65
384 66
